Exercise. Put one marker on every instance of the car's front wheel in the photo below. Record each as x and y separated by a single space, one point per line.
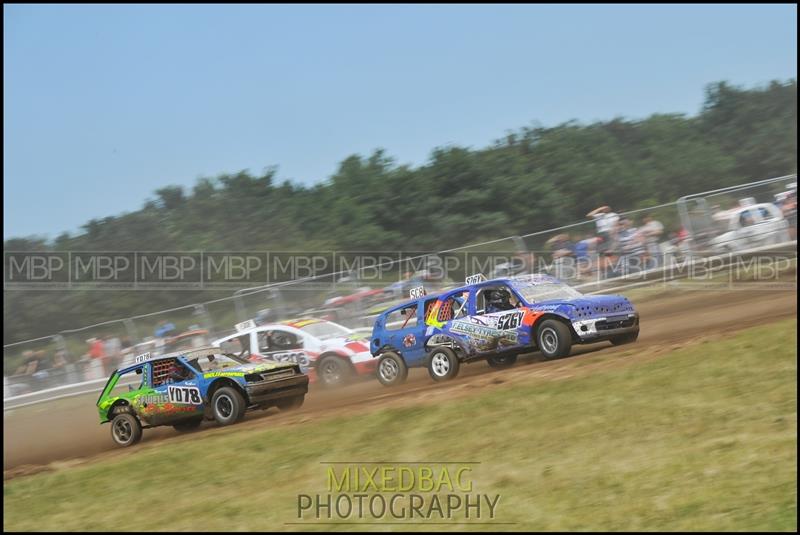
126 429
443 364
392 369
554 339
228 405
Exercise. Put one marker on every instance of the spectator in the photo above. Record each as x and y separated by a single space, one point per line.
607 222
562 248
40 368
28 365
585 251
787 202
651 232
59 359
163 329
113 349
561 245
631 245
97 352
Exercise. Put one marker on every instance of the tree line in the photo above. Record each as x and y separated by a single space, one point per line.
531 179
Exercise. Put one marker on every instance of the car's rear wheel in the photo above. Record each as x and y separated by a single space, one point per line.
554 339
188 425
292 403
126 429
333 371
228 405
502 362
628 338
443 364
392 369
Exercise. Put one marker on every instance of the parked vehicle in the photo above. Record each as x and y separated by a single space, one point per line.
748 226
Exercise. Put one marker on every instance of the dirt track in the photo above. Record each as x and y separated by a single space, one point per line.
69 429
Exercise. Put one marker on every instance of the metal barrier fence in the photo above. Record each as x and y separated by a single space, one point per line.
577 253
707 272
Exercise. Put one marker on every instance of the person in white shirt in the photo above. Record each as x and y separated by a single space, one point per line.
606 222
651 231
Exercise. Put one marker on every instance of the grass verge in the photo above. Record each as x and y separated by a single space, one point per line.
703 438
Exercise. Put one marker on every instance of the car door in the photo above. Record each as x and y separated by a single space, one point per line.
405 330
282 345
177 392
771 226
457 318
502 327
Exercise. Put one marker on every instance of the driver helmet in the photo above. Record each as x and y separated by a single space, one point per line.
280 339
498 297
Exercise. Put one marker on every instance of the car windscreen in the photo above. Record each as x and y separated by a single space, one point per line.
545 291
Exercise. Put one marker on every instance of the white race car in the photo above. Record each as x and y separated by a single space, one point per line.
328 352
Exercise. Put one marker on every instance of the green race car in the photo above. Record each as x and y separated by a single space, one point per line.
183 389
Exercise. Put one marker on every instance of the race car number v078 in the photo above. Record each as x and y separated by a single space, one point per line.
185 394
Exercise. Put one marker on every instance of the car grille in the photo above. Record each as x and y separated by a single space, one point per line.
272 375
277 374
614 323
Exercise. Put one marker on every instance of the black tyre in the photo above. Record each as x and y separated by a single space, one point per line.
228 405
502 362
333 371
188 425
292 403
126 429
628 338
392 369
554 339
443 364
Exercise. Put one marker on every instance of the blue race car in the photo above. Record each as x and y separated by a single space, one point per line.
182 389
494 320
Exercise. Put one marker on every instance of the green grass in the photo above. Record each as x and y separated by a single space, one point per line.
702 438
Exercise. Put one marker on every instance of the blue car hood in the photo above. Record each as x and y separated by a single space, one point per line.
588 306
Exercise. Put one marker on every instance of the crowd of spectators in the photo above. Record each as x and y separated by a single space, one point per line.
618 245
103 354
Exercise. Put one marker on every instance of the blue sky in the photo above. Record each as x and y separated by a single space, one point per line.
104 104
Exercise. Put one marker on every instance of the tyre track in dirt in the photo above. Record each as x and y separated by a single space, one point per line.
57 434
